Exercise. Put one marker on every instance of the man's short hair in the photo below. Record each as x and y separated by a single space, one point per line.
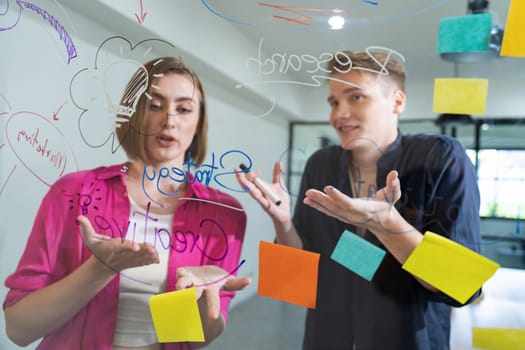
384 63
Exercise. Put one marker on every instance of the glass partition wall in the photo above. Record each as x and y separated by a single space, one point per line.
496 148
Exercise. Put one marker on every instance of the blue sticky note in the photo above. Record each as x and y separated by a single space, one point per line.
469 33
358 255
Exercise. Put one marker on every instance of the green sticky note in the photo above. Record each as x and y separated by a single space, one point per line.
176 316
469 33
358 255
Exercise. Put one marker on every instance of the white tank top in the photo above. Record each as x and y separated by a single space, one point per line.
139 284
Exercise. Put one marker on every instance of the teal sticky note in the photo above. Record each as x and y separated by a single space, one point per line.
469 33
358 255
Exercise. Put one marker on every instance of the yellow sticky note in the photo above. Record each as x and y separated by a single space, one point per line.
450 267
513 43
460 96
498 338
176 316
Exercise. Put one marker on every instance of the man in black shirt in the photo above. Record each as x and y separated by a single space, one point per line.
389 189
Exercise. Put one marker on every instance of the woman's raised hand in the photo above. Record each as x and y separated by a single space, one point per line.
116 253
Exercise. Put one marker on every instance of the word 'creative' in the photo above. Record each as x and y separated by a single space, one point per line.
180 241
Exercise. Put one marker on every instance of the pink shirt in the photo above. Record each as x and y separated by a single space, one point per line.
203 233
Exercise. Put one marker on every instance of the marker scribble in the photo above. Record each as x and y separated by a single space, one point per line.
300 11
143 14
55 114
7 180
64 36
360 14
39 146
5 14
104 85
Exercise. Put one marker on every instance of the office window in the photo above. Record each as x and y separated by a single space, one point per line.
500 160
501 178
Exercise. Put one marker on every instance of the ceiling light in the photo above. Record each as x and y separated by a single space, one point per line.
336 22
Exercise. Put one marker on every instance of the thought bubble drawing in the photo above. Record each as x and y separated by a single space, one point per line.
37 144
97 91
40 146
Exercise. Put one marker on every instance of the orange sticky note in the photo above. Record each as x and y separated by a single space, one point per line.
460 96
288 274
498 338
513 43
176 316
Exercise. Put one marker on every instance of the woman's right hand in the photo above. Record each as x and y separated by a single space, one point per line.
115 253
280 214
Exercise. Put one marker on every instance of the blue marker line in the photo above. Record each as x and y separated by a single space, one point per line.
363 22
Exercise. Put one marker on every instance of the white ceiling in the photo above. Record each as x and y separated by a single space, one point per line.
208 30
407 26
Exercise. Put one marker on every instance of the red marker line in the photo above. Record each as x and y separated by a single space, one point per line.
55 114
300 12
7 180
142 16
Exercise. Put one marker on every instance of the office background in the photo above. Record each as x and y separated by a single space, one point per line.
63 66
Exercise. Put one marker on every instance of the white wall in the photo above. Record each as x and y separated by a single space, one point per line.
35 82
505 93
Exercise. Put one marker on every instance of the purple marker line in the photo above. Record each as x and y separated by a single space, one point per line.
5 13
221 279
135 280
6 9
64 36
